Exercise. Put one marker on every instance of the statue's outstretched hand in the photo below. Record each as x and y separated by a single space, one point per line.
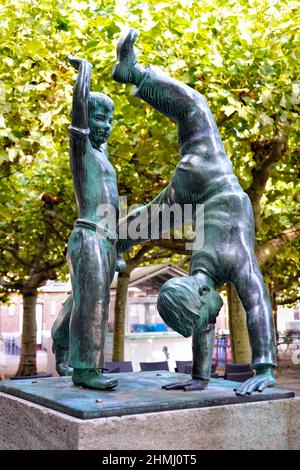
76 62
263 378
187 385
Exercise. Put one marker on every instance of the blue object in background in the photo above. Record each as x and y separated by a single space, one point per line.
159 327
148 328
221 351
139 328
10 347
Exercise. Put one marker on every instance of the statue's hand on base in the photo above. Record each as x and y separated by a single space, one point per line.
187 385
263 378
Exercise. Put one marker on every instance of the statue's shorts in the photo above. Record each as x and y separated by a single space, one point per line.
92 262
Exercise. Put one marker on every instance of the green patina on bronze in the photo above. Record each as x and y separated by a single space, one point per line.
204 175
79 331
138 392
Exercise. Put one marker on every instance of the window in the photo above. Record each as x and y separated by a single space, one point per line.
144 317
39 322
11 310
53 308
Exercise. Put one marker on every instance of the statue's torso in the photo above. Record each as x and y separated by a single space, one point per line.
203 170
95 183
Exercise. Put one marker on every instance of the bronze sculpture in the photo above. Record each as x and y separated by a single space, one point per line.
204 175
79 331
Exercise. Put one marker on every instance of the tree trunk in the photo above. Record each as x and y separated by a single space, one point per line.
27 364
120 307
273 298
274 308
240 346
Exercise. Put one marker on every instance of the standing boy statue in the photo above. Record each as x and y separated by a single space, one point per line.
78 333
204 175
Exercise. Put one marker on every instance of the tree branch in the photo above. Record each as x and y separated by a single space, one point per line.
15 285
54 215
54 265
7 175
175 246
158 255
224 118
43 248
291 300
265 153
137 258
61 237
144 170
271 247
16 255
279 285
186 259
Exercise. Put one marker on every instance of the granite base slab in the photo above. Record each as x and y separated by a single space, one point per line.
257 425
137 392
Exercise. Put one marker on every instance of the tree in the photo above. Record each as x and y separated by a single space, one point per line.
33 246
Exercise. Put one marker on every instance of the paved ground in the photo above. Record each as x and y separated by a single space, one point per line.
9 364
289 377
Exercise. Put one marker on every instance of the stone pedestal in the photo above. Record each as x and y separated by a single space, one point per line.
257 425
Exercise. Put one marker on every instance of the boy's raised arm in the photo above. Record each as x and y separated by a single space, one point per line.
81 93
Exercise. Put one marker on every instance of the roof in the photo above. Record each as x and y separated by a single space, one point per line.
152 276
54 286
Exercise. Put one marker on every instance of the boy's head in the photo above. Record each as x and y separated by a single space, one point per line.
100 115
186 304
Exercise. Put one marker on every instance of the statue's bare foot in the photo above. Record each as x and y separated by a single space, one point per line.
187 385
93 378
63 369
124 69
61 358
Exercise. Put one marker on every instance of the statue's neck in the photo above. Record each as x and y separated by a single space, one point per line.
203 278
97 146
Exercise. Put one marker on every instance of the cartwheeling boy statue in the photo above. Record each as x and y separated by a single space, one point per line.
204 175
79 331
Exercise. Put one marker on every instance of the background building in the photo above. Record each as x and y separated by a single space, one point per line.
147 338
